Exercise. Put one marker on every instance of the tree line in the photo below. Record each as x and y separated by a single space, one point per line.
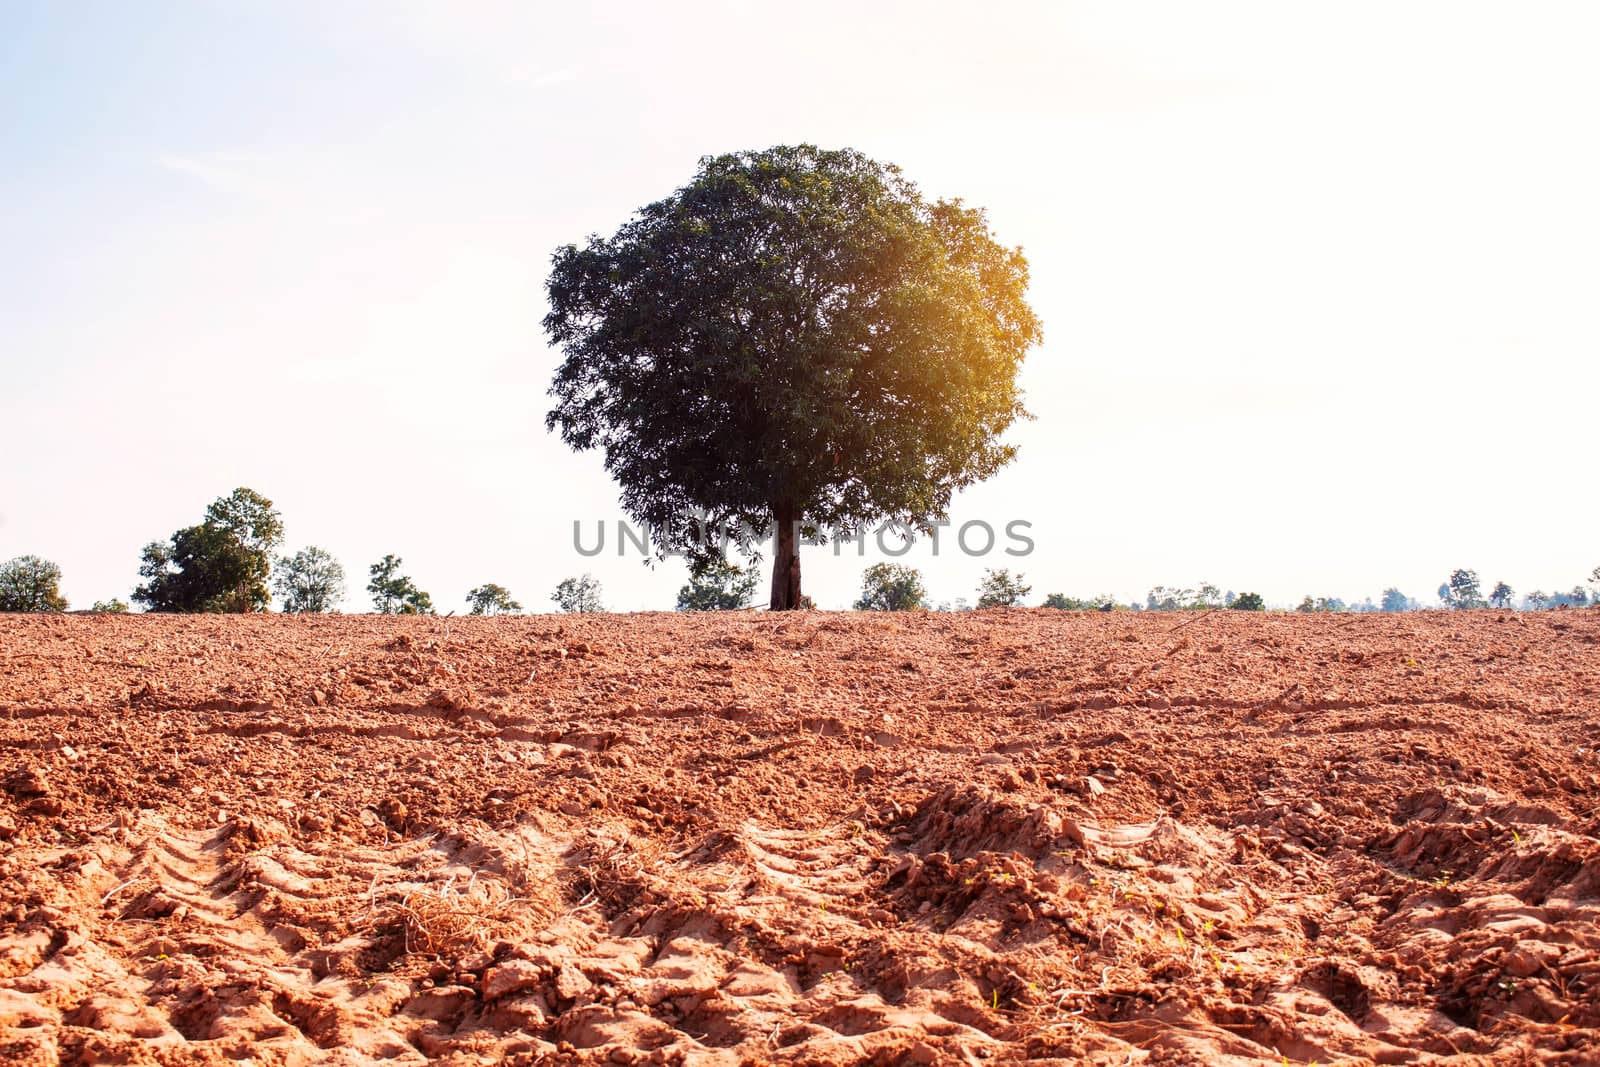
229 562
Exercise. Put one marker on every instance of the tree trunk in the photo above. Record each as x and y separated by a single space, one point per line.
785 561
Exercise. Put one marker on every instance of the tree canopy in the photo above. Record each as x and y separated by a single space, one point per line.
30 584
578 595
795 340
1395 600
719 586
1001 589
309 582
891 587
1461 591
491 599
222 564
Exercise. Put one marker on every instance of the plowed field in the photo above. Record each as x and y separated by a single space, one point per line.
1231 838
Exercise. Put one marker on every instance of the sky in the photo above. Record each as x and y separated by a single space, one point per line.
1318 281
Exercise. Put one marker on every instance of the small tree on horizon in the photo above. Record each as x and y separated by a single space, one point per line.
1001 589
1394 600
578 596
114 606
31 584
394 593
891 587
1502 595
310 582
745 350
1248 602
718 586
492 599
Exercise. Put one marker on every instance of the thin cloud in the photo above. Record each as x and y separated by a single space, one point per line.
534 78
219 177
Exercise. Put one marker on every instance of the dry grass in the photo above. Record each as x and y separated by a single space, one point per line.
454 919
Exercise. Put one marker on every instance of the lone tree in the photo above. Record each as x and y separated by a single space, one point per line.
394 593
220 565
1502 595
719 586
891 587
30 584
579 596
794 341
1248 602
1001 589
309 582
492 599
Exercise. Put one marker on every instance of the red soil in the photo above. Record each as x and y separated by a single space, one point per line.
808 838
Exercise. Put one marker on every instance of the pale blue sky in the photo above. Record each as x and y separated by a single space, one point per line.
1318 281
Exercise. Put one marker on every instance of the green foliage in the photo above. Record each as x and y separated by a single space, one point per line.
718 586
794 337
249 517
113 606
891 587
578 595
492 599
1502 595
1394 600
1461 591
1248 602
1539 600
1063 602
30 584
394 593
1001 589
309 582
1169 598
221 565
1321 604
